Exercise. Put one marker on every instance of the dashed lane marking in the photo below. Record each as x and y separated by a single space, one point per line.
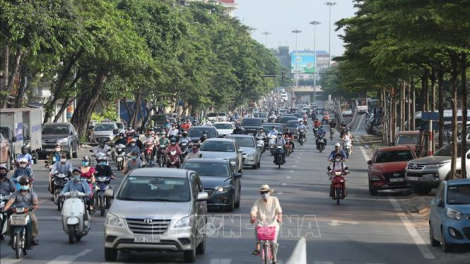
67 259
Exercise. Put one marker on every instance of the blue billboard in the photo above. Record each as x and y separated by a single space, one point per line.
304 61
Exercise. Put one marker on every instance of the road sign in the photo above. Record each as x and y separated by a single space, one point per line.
425 125
430 116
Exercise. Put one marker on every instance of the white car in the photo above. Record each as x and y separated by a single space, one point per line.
222 117
224 128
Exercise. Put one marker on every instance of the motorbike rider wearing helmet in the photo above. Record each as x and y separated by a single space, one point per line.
23 170
337 165
194 154
64 166
289 135
186 125
321 133
343 127
173 146
280 141
184 138
121 140
103 169
25 197
300 127
78 184
260 134
348 139
203 137
102 148
132 147
55 156
173 131
26 155
316 123
133 163
6 185
239 130
339 151
273 132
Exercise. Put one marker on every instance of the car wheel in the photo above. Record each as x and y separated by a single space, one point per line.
433 241
190 256
372 191
75 153
110 254
254 166
421 190
9 163
69 153
445 247
201 249
231 207
259 164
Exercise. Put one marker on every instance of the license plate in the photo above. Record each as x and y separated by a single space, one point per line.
412 178
50 150
397 179
147 239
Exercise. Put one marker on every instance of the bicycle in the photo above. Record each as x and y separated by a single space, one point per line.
266 236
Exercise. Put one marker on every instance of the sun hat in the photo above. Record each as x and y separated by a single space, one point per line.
265 188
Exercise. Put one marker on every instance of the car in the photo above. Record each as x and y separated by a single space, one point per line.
222 148
449 216
222 117
427 173
224 128
220 181
292 126
195 132
407 138
157 209
252 125
121 127
5 152
263 116
347 112
159 119
105 131
251 151
213 117
63 134
283 120
386 169
300 116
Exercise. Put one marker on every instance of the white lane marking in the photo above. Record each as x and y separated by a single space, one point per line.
9 260
284 184
323 262
297 161
67 259
359 124
280 193
221 261
295 166
291 171
419 241
288 177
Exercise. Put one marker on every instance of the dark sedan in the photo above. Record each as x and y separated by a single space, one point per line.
195 132
252 125
220 181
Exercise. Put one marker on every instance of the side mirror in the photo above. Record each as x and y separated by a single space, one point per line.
109 193
91 151
203 196
237 175
200 155
369 162
115 131
439 202
468 156
240 150
71 133
13 139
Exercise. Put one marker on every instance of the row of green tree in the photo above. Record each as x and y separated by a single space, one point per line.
397 48
93 51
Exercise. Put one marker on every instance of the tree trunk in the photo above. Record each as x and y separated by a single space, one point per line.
87 102
440 83
413 105
454 75
402 105
464 114
408 106
10 80
4 75
130 113
68 100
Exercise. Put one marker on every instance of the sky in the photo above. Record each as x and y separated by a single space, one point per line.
280 17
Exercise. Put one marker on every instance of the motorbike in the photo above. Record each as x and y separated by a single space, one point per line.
161 156
260 142
120 156
59 180
272 144
20 223
173 160
302 137
184 149
315 130
321 143
332 132
3 215
279 151
149 154
100 202
288 147
347 148
73 216
338 184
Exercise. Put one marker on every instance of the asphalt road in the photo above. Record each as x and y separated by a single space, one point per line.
361 230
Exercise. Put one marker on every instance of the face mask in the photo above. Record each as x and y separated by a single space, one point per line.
103 163
134 157
85 163
3 175
24 187
121 137
195 150
22 165
57 149
133 144
76 178
337 160
173 143
265 196
63 160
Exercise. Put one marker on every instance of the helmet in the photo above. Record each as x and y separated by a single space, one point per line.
337 145
76 169
133 140
86 158
173 140
3 167
24 180
185 133
23 160
121 134
24 148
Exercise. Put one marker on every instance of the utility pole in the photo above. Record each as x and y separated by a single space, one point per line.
329 4
266 34
296 32
315 24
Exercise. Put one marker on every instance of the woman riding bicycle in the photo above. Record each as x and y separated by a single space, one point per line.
266 211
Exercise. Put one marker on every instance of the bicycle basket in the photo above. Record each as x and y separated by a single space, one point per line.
266 232
19 220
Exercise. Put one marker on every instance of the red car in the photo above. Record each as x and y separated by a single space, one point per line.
387 168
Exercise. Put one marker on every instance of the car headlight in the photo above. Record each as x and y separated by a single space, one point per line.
63 141
232 162
437 165
251 154
375 178
223 189
113 220
185 222
454 214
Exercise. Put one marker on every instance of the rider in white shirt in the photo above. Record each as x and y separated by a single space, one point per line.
347 139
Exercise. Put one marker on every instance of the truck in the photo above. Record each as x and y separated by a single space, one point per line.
22 127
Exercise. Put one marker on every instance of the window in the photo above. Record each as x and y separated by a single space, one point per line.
197 132
407 139
458 194
244 141
142 188
393 156
447 150
252 122
223 126
55 130
207 168
218 146
104 127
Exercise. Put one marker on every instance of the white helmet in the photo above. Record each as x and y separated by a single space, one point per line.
23 162
337 145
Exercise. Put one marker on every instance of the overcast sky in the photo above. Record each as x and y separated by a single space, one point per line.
280 17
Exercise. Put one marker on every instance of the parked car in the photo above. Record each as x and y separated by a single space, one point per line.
407 138
157 209
251 152
387 168
62 133
449 217
121 127
224 128
220 181
5 153
195 132
104 132
251 125
427 173
222 148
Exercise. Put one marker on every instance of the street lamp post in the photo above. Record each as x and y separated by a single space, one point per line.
329 4
296 32
315 24
266 34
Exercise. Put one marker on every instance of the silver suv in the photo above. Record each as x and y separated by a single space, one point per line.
157 210
427 173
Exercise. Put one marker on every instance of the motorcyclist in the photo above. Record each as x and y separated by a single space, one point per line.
121 140
103 169
348 139
173 146
316 123
260 134
132 147
187 125
301 127
343 127
326 118
272 117
273 132
26 155
23 170
266 211
208 123
133 163
55 156
332 127
25 197
7 186
167 124
163 141
337 165
339 151
280 141
289 135
87 172
203 137
239 130
321 133
184 138
79 184
173 131
102 148
62 167
194 154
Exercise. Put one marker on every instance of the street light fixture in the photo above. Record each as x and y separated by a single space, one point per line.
266 34
329 4
296 32
315 24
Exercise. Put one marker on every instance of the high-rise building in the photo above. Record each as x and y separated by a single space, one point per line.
229 5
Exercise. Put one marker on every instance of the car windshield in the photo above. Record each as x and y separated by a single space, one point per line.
393 156
407 139
244 141
55 130
139 188
251 122
268 128
222 114
287 118
104 127
197 132
447 150
120 125
223 126
218 146
208 168
459 194
212 115
159 118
